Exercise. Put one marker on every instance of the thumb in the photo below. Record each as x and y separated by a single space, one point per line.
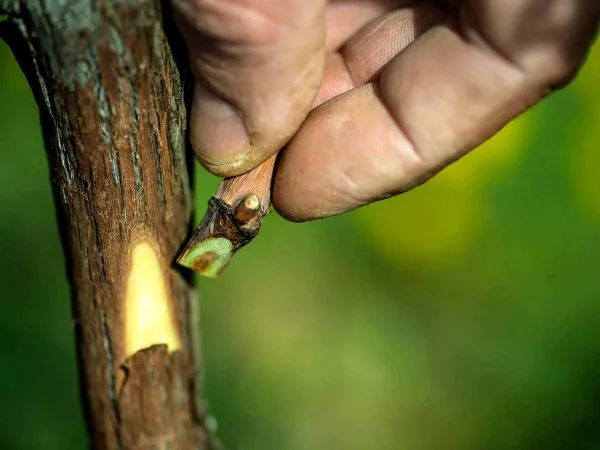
258 65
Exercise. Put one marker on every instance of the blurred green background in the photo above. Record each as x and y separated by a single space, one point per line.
463 315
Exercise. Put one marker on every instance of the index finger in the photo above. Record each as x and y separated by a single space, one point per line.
454 87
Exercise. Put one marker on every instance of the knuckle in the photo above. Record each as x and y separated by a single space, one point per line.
558 39
565 67
556 64
547 40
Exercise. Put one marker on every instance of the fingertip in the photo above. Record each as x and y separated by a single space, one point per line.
218 134
298 212
302 192
220 139
233 168
349 152
284 210
228 169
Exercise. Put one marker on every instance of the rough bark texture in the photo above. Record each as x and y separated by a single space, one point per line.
112 108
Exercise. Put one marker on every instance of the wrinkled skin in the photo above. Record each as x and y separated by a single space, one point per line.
372 97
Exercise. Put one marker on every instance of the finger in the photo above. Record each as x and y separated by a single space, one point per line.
258 65
439 98
330 143
363 55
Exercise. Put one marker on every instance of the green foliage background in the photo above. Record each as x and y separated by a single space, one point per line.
463 315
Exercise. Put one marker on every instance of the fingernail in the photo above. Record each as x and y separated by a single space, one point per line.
217 131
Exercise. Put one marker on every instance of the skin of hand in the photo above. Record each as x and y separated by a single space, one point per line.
368 98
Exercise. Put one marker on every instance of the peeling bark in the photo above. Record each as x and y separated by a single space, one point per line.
111 103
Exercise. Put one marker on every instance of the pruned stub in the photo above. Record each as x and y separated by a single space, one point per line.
222 232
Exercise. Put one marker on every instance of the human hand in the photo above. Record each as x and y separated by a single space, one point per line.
404 88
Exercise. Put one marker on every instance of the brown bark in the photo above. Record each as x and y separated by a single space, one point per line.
112 108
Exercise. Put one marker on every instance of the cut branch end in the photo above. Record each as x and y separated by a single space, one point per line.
222 232
232 220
